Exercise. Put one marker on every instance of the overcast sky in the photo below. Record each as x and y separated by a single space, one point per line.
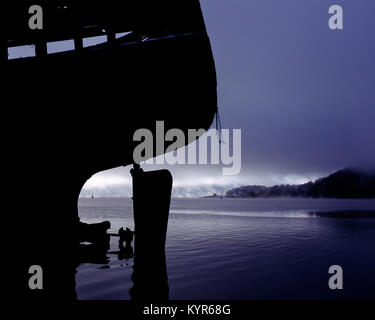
301 93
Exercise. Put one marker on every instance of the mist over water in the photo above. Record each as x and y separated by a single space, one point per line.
244 249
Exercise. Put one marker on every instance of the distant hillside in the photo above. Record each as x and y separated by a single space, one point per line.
346 183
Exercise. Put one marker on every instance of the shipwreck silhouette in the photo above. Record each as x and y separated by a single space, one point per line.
73 114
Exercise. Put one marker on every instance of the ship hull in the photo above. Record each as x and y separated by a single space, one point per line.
86 107
71 115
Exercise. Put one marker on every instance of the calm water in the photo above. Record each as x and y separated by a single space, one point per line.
244 249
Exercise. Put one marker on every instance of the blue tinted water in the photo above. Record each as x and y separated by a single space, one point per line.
244 249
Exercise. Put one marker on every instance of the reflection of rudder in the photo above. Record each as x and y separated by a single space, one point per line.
151 197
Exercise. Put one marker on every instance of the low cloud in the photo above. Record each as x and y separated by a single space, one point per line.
188 181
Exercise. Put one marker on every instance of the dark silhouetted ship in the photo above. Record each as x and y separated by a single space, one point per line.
162 69
155 64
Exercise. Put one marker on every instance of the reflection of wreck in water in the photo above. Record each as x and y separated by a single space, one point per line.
160 68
